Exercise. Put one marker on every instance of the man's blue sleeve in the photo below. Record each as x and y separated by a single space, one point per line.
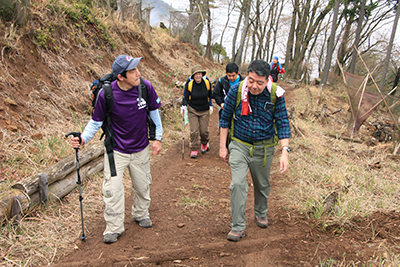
90 130
155 116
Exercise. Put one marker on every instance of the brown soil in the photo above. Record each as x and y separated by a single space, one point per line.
195 234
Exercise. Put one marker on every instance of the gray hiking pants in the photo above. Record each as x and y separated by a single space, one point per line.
240 162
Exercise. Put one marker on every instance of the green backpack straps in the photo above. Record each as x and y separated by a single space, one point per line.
239 99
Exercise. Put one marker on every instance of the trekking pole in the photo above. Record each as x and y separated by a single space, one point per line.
78 134
183 137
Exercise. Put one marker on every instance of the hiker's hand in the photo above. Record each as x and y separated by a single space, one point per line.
75 142
284 162
223 154
156 147
183 110
211 110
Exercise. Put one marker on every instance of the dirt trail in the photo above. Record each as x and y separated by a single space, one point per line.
195 234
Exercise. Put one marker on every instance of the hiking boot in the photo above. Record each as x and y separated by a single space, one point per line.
111 238
204 148
193 154
145 223
262 221
235 236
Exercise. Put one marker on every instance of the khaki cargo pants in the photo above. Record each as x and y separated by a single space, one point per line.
198 121
113 189
240 162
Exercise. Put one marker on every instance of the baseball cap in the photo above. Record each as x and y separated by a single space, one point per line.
124 63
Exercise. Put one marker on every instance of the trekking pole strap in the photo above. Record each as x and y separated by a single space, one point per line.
110 154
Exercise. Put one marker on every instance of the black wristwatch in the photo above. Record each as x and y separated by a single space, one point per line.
285 148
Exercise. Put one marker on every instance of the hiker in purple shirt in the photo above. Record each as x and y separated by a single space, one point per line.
131 149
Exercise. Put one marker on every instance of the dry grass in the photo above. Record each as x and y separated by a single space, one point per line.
47 233
365 178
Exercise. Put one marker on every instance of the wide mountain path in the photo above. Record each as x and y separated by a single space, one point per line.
191 216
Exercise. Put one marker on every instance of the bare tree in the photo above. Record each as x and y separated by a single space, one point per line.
196 23
230 9
235 36
308 18
390 46
357 39
209 51
290 42
246 7
331 43
274 27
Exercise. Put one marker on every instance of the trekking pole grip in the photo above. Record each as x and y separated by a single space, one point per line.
75 134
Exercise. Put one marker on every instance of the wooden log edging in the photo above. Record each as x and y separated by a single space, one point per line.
56 190
62 187
61 169
6 198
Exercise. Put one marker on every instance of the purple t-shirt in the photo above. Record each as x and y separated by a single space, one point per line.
128 117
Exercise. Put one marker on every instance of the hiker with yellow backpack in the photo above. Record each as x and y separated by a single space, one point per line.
197 105
254 118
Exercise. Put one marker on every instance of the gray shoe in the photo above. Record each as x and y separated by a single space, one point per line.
262 221
235 236
111 238
145 223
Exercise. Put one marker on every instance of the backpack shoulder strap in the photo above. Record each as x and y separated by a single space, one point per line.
109 97
207 82
190 86
273 95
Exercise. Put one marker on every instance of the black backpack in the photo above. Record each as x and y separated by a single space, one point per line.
104 83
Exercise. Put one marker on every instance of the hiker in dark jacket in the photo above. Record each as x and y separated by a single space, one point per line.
196 102
225 83
276 69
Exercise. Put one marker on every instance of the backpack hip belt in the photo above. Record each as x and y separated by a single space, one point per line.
259 146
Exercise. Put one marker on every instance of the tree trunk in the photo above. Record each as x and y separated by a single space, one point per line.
247 7
235 35
396 81
62 168
306 26
331 43
275 29
290 42
357 39
389 49
343 48
226 25
270 18
209 51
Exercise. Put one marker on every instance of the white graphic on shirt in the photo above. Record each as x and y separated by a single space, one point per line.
142 104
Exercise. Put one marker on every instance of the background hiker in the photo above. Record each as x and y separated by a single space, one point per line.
223 85
276 68
252 145
130 131
196 102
